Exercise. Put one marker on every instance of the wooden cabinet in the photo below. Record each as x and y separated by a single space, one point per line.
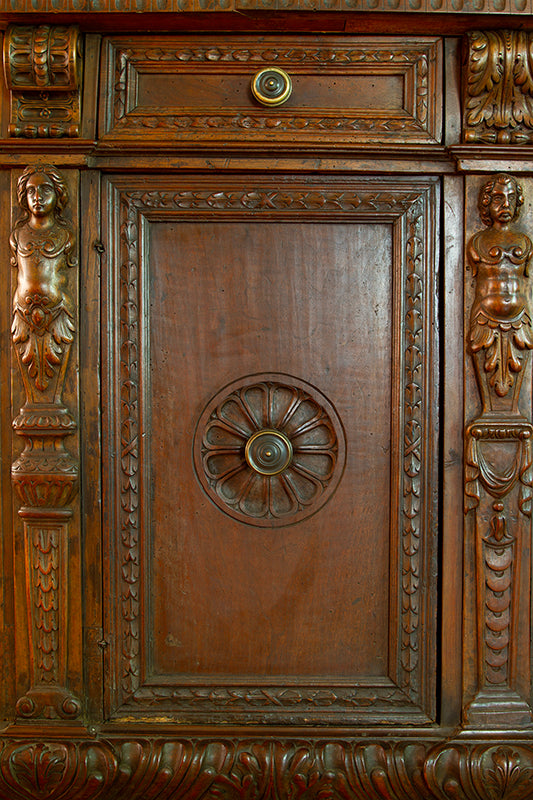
266 405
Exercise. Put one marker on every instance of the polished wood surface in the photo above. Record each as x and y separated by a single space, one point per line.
266 406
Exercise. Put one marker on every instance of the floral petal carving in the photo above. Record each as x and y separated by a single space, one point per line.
280 406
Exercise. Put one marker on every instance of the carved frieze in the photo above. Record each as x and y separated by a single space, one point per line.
183 769
45 474
498 88
515 7
499 474
42 72
264 769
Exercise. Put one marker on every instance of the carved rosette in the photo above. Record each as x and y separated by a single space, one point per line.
43 75
498 89
499 456
268 451
45 474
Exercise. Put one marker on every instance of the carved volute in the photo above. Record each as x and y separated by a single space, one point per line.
42 72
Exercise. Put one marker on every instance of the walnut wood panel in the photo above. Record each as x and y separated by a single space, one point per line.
208 283
193 89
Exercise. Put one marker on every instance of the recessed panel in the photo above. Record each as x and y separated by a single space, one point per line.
313 304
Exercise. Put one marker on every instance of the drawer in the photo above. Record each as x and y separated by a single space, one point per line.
349 90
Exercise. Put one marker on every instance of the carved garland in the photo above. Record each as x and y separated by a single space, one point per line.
415 205
129 451
413 435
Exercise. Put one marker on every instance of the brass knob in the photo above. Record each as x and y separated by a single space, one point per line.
271 86
268 452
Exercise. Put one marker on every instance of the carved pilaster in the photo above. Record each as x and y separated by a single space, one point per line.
45 474
43 75
498 88
499 476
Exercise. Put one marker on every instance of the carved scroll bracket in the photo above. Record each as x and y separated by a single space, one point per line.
42 73
499 459
45 474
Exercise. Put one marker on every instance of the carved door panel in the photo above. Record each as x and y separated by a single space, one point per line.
270 401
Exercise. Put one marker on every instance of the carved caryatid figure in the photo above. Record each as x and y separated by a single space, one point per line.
45 474
42 250
500 322
499 458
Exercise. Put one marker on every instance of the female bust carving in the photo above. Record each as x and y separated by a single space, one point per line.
42 248
500 322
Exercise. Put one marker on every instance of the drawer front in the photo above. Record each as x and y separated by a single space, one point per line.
357 90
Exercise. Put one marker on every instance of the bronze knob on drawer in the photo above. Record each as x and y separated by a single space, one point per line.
271 86
268 452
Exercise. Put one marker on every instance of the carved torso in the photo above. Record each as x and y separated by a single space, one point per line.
41 258
500 264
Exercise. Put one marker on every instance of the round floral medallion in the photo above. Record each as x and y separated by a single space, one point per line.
269 450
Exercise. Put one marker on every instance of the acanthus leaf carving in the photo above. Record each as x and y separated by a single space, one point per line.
183 769
463 771
498 96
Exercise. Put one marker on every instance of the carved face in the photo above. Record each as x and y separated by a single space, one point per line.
503 199
41 195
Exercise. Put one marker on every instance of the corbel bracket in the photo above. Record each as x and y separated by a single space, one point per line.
42 73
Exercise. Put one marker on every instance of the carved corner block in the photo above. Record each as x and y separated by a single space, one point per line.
498 88
45 474
487 771
42 72
498 472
